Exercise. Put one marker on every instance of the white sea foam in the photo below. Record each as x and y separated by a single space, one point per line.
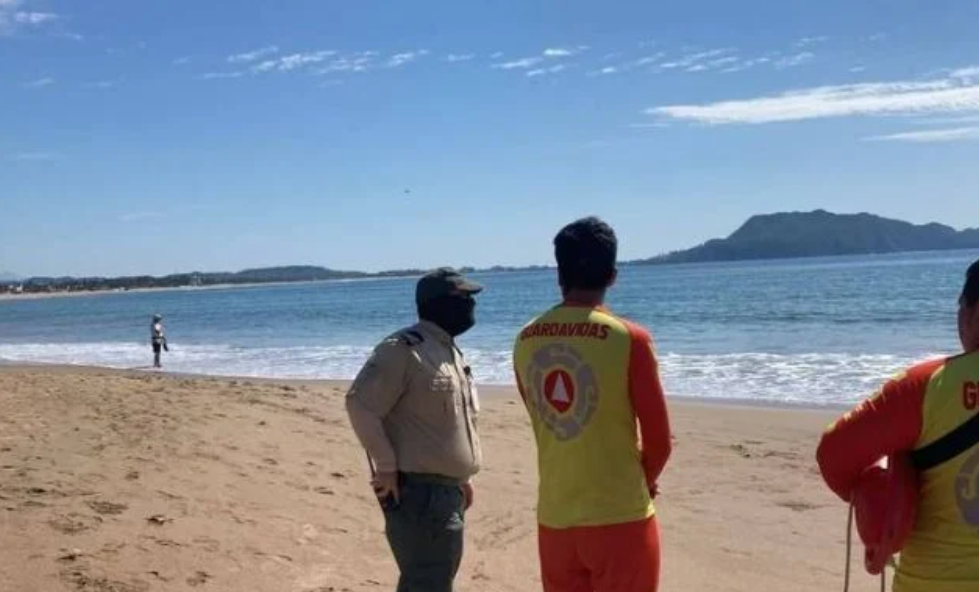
811 378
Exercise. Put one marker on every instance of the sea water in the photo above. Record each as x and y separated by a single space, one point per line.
815 331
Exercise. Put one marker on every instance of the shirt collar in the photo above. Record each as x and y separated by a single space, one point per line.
575 304
435 331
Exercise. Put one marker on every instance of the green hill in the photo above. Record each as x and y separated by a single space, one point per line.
822 233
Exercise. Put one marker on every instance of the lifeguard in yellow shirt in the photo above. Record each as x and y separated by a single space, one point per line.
586 377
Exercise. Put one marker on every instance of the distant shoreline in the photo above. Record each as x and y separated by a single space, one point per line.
80 293
9 296
69 286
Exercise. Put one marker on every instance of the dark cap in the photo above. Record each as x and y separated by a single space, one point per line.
444 281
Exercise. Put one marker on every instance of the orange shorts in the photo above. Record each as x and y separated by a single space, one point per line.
614 558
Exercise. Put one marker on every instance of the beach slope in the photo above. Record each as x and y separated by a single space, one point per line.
130 482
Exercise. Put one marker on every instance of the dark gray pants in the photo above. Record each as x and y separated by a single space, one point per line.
425 531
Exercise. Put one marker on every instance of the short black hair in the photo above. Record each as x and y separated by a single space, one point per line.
586 252
970 291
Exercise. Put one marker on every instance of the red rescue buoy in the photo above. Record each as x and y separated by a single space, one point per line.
885 504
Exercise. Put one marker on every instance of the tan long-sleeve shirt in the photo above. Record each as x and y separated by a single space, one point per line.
414 405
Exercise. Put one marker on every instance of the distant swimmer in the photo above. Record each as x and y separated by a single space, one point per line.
929 415
414 408
587 377
158 338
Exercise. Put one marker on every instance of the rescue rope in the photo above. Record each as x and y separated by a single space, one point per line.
849 549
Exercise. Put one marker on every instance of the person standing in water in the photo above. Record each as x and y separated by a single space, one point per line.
586 377
930 412
158 338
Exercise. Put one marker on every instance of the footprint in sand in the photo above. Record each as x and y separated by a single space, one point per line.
84 582
208 544
741 449
309 534
107 508
74 523
798 506
199 579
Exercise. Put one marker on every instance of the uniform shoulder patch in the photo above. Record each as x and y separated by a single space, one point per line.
410 337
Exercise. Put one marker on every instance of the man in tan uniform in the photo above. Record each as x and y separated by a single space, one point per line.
414 406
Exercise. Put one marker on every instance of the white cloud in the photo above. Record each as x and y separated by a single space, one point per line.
400 59
558 52
39 83
546 71
522 63
455 57
292 62
877 37
809 41
34 18
858 69
551 53
795 60
957 134
298 60
605 71
706 54
691 62
182 61
723 61
14 19
497 55
221 75
252 56
966 74
32 156
647 60
867 99
356 63
102 84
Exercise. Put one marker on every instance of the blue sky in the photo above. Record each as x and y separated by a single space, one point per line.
153 137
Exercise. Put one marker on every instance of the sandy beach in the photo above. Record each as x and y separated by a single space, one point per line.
116 481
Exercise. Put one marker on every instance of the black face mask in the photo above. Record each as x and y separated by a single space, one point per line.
454 314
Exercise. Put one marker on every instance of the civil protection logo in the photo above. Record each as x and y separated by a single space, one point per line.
563 390
967 490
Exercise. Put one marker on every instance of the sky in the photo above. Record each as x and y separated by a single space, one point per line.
159 137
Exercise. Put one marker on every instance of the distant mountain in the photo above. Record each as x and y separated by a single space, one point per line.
292 273
821 233
8 276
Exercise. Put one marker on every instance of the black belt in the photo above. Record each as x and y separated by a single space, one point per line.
433 479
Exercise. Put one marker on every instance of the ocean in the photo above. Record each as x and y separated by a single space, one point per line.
817 332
